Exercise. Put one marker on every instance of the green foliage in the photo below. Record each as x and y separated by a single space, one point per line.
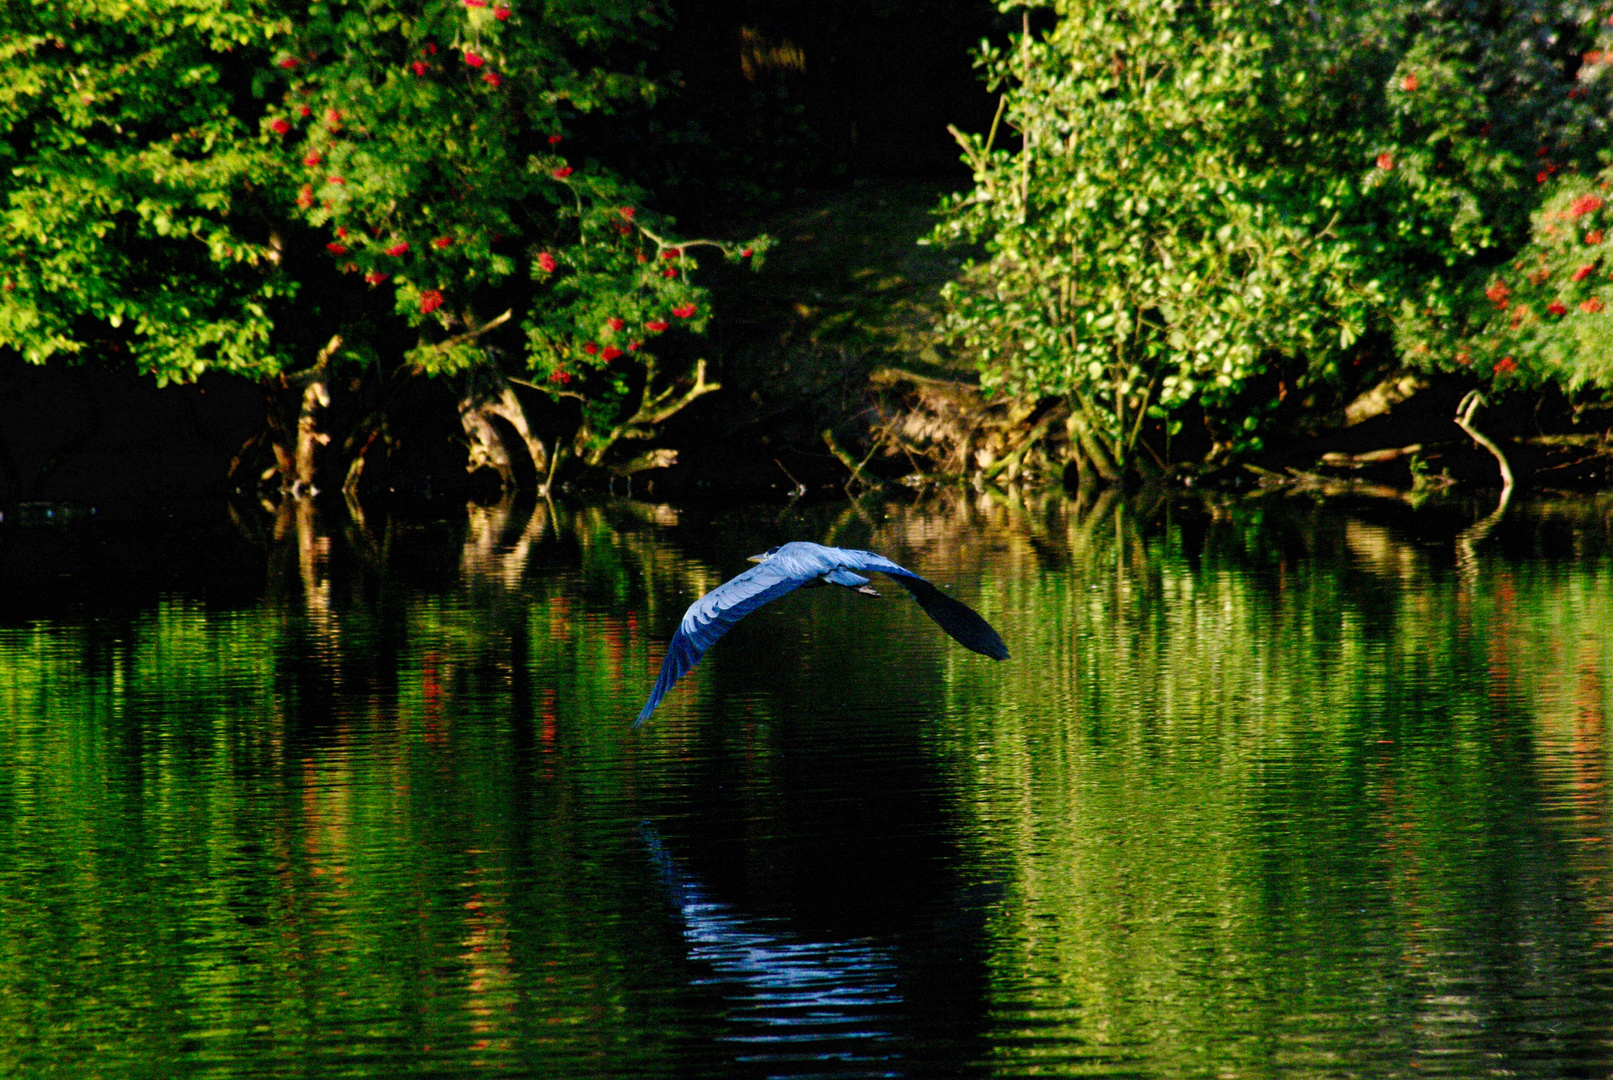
1201 192
1546 316
1141 251
1484 127
211 185
126 172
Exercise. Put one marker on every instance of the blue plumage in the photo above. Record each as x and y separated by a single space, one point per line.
787 568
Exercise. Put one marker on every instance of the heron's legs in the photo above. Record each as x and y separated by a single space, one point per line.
847 579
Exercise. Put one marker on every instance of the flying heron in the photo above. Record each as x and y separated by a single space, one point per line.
788 567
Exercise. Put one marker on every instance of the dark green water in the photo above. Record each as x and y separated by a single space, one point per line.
1264 791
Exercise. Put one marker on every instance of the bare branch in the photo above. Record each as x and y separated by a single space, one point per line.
1464 420
472 334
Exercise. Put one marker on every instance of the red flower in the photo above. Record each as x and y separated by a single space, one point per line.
1583 272
443 242
670 272
1594 236
546 262
431 48
313 158
683 311
745 254
1542 176
1385 162
305 196
632 346
333 117
560 375
419 67
1505 366
1464 358
1556 307
474 59
671 253
493 79
655 326
591 349
627 212
1585 204
475 3
304 110
611 352
562 172
375 277
430 301
288 62
500 12
1591 306
401 247
1409 83
1498 293
279 125
554 140
336 249
341 232
614 323
335 180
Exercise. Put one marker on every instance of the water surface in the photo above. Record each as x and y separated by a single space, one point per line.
1266 790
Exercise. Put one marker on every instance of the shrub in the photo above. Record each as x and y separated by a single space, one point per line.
1201 192
1141 253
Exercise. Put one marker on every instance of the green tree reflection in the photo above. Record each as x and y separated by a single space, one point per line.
1264 790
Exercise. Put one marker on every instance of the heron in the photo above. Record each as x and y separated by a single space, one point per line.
787 567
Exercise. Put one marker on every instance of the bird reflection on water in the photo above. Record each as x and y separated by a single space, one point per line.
798 1008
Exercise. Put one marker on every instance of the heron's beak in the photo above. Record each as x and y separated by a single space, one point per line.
756 558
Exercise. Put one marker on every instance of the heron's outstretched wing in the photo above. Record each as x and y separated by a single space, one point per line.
711 616
958 619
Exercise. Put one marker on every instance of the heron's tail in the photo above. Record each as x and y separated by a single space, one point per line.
958 619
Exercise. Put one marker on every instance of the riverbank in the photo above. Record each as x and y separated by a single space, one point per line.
834 371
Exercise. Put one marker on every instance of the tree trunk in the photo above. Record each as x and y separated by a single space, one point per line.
315 399
1092 448
496 427
295 445
1382 398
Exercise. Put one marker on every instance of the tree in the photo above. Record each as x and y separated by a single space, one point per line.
1204 196
1140 253
278 190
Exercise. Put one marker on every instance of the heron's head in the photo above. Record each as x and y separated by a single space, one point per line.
764 556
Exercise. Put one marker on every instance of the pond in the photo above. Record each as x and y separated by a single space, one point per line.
1266 789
